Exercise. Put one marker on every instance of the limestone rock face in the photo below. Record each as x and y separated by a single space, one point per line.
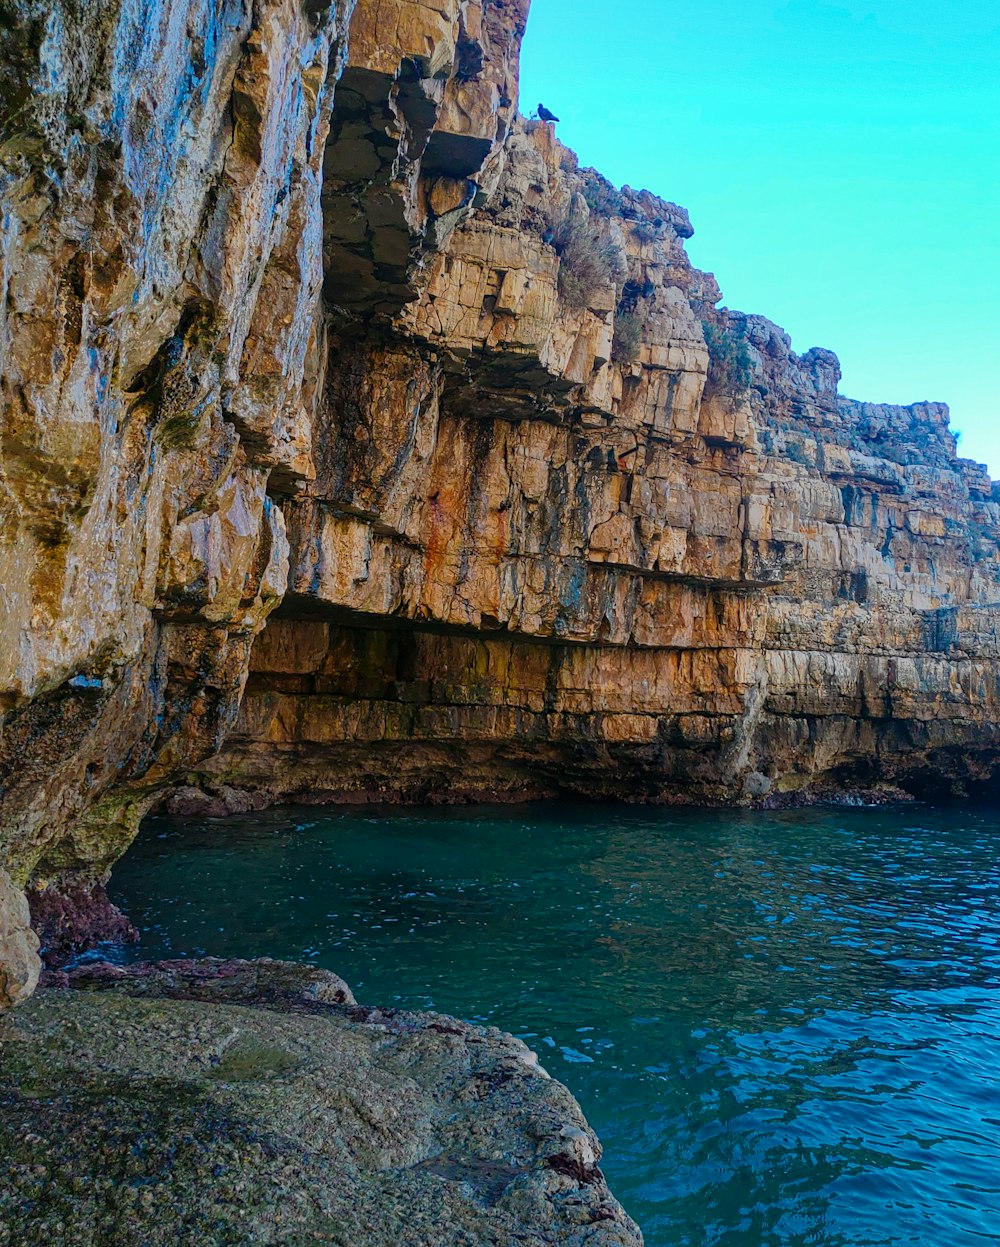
159 289
19 962
255 1103
355 442
574 529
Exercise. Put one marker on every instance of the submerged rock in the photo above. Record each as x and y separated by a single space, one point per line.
255 1102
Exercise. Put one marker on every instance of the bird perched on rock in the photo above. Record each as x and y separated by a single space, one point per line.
545 115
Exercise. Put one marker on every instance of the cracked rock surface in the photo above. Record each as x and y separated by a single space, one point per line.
19 961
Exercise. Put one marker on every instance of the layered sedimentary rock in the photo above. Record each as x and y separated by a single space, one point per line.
358 444
159 176
539 558
256 1103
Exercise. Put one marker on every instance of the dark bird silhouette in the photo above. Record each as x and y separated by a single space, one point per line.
545 115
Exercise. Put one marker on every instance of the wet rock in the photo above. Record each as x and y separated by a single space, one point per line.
74 917
169 1107
263 981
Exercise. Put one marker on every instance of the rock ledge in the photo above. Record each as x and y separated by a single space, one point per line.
257 1103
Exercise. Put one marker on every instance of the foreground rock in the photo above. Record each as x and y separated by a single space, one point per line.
19 962
255 1102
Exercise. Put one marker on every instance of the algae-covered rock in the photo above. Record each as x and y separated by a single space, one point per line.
232 1103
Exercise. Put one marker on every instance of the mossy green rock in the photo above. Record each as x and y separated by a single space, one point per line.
213 1103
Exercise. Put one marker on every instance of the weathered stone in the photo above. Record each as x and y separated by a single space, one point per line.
19 961
160 275
73 918
263 981
731 570
255 1102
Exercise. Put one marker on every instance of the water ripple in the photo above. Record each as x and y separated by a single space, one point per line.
785 1027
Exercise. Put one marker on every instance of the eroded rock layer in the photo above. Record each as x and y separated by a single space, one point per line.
356 444
160 273
573 529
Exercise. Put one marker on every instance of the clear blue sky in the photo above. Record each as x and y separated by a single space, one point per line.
840 161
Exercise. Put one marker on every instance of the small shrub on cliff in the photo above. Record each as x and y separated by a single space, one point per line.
633 292
627 337
587 262
603 198
799 452
644 230
730 366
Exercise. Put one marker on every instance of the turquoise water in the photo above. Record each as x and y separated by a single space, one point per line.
784 1027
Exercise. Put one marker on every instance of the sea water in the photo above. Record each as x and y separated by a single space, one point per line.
785 1027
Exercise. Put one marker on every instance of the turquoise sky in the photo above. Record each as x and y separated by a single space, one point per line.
841 164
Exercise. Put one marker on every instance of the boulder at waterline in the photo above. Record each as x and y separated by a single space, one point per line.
256 1103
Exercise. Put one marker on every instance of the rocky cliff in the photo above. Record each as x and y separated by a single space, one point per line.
358 444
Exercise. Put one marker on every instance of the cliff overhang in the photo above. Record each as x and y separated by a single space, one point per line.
357 443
